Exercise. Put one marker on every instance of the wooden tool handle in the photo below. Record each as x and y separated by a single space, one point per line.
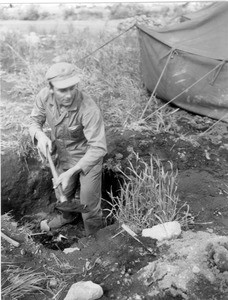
62 197
52 166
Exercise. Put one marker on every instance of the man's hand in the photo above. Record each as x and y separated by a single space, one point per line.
65 177
43 143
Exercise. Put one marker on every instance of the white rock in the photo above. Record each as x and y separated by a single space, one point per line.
195 270
84 290
70 250
165 231
53 282
44 226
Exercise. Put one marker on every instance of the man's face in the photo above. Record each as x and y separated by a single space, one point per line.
65 97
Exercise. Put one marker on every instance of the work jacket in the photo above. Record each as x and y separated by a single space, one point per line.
78 130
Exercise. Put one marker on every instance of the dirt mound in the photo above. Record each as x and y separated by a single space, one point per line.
194 259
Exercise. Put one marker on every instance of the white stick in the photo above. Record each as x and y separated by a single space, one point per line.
131 232
8 239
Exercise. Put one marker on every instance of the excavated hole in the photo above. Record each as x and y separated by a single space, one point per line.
28 195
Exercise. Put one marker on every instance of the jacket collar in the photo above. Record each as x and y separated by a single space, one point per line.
73 108
75 104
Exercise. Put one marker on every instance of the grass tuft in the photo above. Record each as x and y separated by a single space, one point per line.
148 195
18 282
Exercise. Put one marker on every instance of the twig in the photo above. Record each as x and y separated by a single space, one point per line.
9 240
203 223
134 235
117 234
226 114
56 295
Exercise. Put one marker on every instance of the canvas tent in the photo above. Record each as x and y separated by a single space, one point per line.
187 63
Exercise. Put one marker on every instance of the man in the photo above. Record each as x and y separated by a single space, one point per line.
77 130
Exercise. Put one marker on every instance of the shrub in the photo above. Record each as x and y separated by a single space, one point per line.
122 11
4 13
69 12
31 14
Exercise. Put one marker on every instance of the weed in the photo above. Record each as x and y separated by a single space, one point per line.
148 195
17 282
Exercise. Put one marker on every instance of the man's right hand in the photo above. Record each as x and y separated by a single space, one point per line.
43 143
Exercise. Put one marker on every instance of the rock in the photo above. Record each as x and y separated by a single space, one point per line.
53 282
84 290
70 250
195 270
44 226
165 231
221 258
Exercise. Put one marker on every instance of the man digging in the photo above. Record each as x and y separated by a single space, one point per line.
78 133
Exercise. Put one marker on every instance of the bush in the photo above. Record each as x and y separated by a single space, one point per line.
69 13
3 13
31 14
86 14
122 11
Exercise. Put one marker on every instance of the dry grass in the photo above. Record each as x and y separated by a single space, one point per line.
18 282
148 195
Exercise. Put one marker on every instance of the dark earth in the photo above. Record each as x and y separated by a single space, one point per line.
110 259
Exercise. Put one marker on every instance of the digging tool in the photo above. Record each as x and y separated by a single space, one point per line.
64 205
60 195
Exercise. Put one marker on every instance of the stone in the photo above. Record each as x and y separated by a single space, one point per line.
84 290
195 270
44 226
70 250
53 282
165 231
221 258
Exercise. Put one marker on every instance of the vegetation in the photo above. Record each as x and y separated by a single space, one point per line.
122 11
148 195
18 282
83 12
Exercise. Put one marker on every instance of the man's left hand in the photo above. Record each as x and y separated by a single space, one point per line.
64 178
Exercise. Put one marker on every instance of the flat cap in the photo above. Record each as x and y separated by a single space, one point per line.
62 75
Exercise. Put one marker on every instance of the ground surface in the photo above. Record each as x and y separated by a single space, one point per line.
116 263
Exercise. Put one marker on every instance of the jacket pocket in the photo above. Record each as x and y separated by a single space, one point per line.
75 131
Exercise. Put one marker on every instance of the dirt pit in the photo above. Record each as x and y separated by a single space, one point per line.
123 268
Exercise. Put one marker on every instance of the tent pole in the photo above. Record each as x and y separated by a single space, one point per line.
185 90
152 95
